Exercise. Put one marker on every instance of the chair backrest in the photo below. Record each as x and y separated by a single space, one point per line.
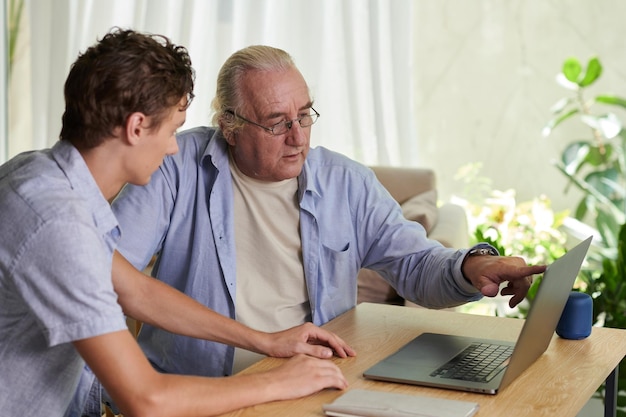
404 183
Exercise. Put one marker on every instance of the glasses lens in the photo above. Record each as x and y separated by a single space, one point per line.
283 127
306 121
280 128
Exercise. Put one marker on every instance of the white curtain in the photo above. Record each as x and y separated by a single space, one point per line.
355 55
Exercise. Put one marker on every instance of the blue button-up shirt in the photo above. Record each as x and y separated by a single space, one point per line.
348 221
58 237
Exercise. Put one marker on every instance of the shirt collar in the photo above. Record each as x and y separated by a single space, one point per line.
71 162
217 153
305 183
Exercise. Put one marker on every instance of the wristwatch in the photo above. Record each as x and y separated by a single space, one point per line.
483 249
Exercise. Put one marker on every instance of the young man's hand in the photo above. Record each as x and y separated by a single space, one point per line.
302 375
307 339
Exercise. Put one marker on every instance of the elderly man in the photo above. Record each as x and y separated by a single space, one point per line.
252 222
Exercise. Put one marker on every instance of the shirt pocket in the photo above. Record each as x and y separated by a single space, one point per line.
337 271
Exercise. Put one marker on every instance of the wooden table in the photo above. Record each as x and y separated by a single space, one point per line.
559 383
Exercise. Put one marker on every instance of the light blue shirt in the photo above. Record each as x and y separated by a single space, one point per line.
348 221
58 237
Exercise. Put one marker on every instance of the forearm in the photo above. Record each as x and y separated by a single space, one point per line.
214 396
296 377
151 301
436 280
139 390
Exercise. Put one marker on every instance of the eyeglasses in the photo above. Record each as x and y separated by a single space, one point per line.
284 126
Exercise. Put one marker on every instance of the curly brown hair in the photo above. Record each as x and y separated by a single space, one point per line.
125 72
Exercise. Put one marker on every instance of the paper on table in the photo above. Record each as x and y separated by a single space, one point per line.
367 403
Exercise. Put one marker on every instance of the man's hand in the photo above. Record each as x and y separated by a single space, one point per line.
307 339
300 376
487 273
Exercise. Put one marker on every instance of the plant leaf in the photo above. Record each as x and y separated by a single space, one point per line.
581 209
593 71
607 226
610 125
614 100
560 105
565 83
575 155
572 69
557 121
598 158
592 196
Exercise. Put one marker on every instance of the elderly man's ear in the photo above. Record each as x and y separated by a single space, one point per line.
225 123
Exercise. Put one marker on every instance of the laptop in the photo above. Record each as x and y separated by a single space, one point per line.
434 360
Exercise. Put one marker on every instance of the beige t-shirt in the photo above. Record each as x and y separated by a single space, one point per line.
271 291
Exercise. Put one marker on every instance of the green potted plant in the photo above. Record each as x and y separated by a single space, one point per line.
596 165
608 291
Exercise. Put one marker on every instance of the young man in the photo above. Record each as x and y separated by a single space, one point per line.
252 222
125 98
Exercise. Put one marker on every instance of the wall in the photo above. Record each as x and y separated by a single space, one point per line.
486 80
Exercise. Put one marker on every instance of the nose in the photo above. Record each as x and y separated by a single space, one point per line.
297 135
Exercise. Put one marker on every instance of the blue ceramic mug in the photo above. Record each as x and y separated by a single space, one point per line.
577 317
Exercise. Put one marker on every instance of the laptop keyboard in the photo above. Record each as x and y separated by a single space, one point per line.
479 362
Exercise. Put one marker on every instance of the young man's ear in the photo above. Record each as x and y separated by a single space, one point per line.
135 127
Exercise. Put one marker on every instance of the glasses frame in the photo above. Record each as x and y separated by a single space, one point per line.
287 123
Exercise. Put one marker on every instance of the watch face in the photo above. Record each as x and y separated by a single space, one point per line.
482 252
